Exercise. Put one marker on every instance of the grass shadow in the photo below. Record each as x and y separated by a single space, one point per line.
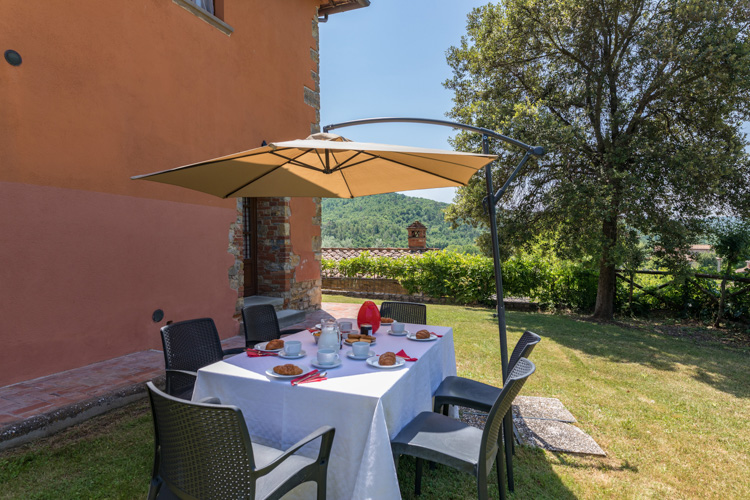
721 367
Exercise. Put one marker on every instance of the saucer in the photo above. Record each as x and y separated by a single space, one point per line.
402 334
375 363
284 355
331 366
351 355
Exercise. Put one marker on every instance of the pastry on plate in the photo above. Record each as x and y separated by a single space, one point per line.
387 359
288 369
386 321
275 344
422 334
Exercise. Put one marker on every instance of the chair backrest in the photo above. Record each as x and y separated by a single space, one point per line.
261 324
523 348
190 345
405 312
490 437
203 450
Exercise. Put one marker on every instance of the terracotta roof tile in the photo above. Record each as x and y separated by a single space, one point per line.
338 254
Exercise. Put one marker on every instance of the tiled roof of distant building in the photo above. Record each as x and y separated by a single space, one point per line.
338 254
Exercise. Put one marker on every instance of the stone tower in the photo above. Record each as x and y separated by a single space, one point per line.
417 234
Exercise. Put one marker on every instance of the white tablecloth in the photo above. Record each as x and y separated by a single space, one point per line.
367 406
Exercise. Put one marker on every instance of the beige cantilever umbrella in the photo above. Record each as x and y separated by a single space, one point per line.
325 165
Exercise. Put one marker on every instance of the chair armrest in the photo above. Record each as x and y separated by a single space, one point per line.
326 433
182 372
234 350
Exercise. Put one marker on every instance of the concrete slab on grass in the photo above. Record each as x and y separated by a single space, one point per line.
541 408
556 436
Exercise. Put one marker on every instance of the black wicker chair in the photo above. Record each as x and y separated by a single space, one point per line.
405 312
261 324
437 438
204 450
472 394
188 346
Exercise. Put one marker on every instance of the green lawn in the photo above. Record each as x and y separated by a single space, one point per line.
672 414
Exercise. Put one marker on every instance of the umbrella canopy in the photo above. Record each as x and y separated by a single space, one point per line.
325 165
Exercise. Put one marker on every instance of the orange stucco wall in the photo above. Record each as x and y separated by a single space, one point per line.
303 234
108 90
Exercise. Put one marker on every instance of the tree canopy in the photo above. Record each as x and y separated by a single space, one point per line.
639 104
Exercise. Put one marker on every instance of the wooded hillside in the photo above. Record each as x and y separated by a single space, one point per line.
381 221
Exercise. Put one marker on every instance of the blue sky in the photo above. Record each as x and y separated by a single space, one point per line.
389 60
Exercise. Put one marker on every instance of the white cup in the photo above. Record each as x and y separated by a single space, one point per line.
327 357
292 347
345 326
361 349
397 327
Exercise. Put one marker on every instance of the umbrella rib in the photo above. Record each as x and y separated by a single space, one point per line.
343 165
288 160
348 188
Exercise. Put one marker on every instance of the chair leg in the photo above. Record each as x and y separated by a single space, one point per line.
321 487
153 490
508 441
500 468
418 478
482 491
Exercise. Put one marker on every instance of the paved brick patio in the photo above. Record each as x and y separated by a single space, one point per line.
44 405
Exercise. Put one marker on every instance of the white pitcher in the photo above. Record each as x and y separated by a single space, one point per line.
330 336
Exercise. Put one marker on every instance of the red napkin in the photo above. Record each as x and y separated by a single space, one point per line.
294 380
402 354
254 353
438 336
313 379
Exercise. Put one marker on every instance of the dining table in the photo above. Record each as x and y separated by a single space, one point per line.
366 404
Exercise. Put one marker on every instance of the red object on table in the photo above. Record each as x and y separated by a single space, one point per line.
369 313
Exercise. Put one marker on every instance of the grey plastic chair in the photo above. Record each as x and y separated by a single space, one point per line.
188 346
405 312
437 438
204 451
261 324
477 395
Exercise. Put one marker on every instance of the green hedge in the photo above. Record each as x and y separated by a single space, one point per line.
470 279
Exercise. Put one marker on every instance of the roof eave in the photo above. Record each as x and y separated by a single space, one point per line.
343 6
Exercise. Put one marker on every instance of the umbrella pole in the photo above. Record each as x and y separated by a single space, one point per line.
492 199
508 419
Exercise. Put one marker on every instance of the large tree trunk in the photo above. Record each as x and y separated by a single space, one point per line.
605 293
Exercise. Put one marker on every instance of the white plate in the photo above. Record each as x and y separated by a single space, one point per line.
375 362
346 341
413 336
334 365
402 334
284 355
273 374
351 355
262 347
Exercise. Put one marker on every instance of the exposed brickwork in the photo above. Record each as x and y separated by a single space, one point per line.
275 266
236 272
312 96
